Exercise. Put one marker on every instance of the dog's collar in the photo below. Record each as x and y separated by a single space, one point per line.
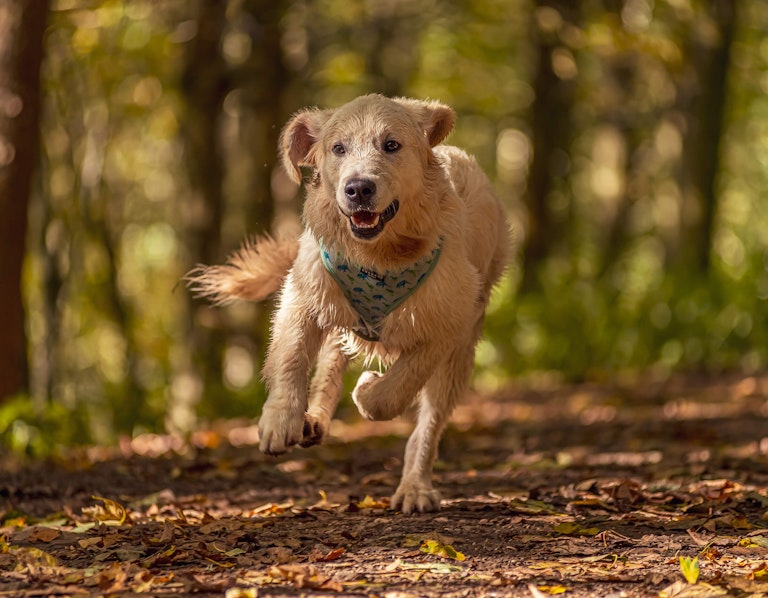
375 295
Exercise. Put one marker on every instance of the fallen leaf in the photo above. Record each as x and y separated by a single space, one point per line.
553 590
304 577
111 513
129 554
571 528
162 556
690 568
682 589
43 534
271 508
412 541
143 582
371 503
318 556
31 556
86 542
754 542
442 550
84 527
399 565
595 503
15 522
747 585
533 507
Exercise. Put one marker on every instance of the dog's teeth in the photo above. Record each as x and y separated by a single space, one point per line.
365 219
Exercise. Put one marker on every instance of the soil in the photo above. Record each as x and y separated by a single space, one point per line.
593 490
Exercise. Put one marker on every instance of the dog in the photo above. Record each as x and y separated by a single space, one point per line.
403 241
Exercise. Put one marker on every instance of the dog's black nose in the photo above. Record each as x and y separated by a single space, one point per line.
360 190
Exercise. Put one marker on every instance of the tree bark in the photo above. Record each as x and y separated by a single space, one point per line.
551 138
205 84
709 53
22 28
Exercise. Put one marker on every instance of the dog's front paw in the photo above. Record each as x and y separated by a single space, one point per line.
315 429
415 496
370 403
279 429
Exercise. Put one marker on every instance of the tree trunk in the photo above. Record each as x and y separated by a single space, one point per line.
551 134
262 116
621 70
22 26
709 54
205 84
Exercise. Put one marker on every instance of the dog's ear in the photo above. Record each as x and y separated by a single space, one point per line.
298 139
436 118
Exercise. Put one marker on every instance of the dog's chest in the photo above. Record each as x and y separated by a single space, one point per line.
374 295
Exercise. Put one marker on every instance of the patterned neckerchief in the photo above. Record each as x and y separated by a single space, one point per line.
371 294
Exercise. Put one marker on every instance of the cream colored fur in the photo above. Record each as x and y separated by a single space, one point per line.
428 341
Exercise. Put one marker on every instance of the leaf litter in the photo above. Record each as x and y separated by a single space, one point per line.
655 501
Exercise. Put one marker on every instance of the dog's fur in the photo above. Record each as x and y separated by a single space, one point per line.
428 341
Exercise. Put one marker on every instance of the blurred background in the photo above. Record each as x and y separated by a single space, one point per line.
627 138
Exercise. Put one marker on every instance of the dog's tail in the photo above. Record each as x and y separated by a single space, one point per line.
253 272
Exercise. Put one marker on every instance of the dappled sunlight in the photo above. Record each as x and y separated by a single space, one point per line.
613 440
159 152
238 367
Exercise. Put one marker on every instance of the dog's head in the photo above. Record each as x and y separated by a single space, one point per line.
371 158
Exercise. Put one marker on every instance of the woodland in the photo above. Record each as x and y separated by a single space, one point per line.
614 443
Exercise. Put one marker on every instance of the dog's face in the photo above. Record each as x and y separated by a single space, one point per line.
371 158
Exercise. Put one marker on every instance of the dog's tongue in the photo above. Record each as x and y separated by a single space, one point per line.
365 219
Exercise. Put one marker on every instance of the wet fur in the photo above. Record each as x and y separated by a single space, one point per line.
428 341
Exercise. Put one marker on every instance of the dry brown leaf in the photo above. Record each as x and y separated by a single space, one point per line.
29 556
271 509
43 534
371 503
318 555
682 589
110 513
305 577
88 542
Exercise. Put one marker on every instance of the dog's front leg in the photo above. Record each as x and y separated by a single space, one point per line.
325 390
294 346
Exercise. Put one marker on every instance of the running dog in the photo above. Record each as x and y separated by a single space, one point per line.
403 241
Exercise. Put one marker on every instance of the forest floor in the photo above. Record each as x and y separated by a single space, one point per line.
652 489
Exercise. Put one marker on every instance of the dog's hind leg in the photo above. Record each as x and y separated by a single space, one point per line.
325 389
436 402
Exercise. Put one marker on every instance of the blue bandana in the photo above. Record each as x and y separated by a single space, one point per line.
373 295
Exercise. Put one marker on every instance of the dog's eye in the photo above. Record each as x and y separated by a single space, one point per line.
338 149
391 146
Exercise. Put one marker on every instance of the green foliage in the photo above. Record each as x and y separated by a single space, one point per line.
37 430
584 328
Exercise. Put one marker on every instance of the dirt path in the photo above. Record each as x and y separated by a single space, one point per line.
581 491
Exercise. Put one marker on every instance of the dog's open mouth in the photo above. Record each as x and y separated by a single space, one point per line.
366 225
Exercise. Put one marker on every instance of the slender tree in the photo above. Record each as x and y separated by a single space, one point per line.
554 89
205 84
703 95
261 116
22 27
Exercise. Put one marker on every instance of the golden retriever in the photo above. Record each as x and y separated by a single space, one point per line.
403 241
